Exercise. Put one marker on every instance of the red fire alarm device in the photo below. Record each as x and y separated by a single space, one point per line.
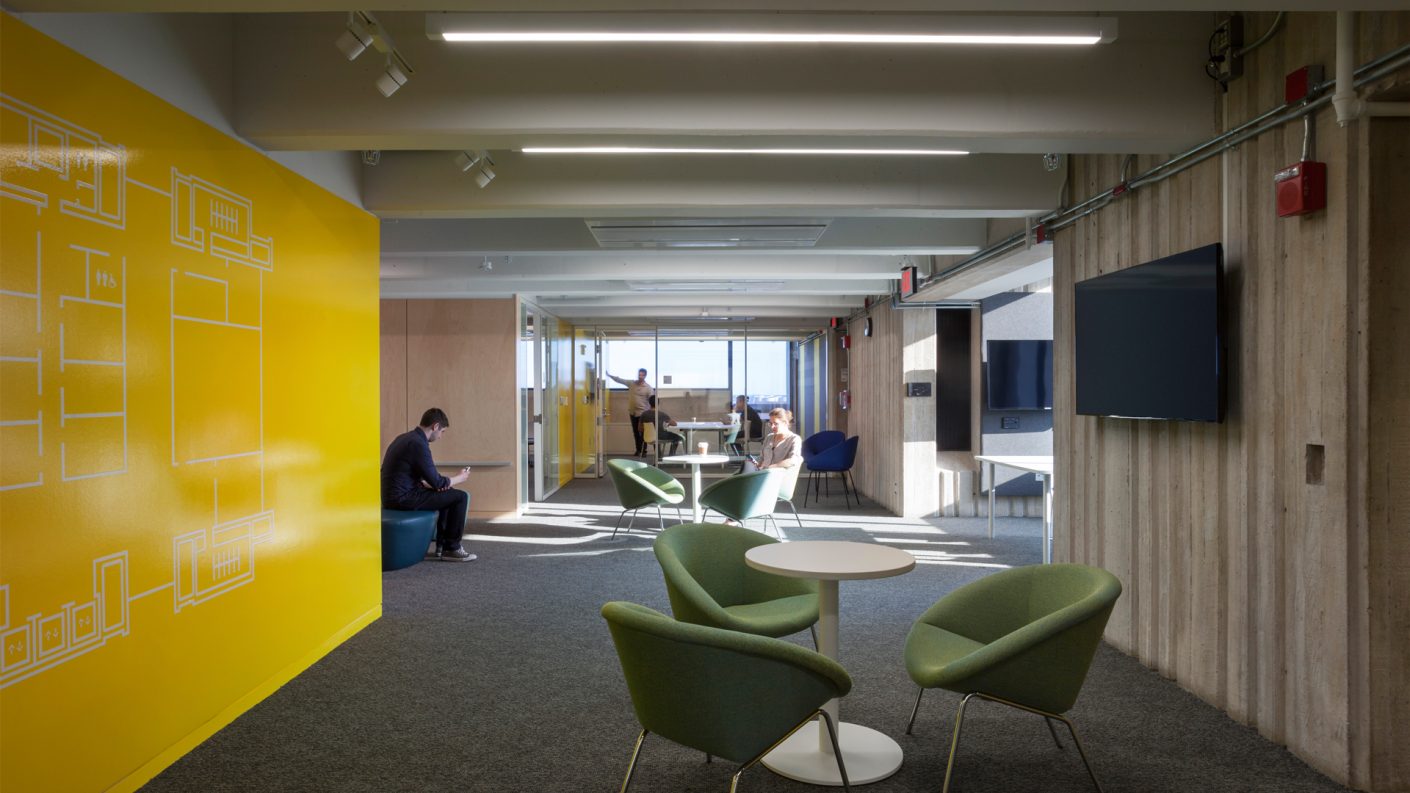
837 323
908 281
1301 188
846 341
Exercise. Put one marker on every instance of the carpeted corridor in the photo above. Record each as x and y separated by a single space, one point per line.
499 675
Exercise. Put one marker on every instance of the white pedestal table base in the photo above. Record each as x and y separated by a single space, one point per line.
870 756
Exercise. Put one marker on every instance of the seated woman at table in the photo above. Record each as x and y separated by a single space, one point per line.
782 447
663 423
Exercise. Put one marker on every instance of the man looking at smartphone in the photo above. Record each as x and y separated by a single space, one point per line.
410 481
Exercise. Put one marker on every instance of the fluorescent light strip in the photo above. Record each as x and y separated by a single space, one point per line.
653 150
677 37
767 28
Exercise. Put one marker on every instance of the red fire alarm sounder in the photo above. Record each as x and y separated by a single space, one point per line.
1301 188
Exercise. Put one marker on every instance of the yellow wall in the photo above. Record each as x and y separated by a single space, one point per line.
188 421
562 341
584 408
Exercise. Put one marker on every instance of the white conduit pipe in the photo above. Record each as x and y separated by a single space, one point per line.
1348 104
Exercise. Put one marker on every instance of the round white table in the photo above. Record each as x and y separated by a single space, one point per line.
807 756
695 461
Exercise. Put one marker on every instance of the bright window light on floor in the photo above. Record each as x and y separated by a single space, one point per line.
684 150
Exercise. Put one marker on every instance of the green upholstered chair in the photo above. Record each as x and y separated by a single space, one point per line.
1023 637
722 692
709 582
744 496
730 443
640 485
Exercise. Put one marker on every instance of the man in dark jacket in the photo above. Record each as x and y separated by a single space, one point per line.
410 481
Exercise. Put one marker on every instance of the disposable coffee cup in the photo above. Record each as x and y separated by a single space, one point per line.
702 447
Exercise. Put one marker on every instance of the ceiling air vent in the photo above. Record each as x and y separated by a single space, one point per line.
707 233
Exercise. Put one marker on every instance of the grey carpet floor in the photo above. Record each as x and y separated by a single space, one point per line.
499 675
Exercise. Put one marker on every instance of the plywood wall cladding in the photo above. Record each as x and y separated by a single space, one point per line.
896 455
1245 546
457 355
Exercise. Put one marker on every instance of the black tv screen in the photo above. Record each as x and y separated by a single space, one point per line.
1020 374
1149 340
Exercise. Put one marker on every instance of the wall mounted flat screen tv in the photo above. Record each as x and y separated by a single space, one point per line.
1020 374
1149 340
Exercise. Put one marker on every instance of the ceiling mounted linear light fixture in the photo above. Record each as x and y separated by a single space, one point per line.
802 152
768 28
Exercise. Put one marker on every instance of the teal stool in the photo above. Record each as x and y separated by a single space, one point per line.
405 537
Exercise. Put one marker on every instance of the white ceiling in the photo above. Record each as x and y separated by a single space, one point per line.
526 232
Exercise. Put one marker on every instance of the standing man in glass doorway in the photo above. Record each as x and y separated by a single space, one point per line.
638 396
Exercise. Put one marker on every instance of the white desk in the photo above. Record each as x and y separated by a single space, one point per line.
691 426
695 461
807 755
1038 464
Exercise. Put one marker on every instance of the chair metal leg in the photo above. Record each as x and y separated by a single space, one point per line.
1082 752
836 749
955 743
855 494
813 629
832 733
660 517
795 511
619 522
1047 718
1048 721
636 752
914 711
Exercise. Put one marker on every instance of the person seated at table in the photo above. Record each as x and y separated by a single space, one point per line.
782 446
663 423
755 425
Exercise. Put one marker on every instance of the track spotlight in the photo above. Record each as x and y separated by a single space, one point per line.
466 160
394 76
478 163
358 36
485 174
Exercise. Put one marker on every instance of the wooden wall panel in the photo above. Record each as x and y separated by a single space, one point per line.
1261 589
396 417
460 357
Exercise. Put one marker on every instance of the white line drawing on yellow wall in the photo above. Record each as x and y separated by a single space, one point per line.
208 218
216 325
42 641
61 159
17 470
99 410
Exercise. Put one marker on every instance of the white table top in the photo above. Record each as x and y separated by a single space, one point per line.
696 459
1038 464
703 425
830 559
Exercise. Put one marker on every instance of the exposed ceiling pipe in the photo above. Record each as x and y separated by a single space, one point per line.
1319 96
1348 104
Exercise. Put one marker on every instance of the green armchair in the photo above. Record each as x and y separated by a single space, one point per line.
1023 637
640 485
721 692
744 496
710 584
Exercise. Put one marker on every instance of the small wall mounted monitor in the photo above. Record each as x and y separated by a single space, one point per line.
1149 340
1020 374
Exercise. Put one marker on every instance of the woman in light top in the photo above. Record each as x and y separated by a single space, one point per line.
782 447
